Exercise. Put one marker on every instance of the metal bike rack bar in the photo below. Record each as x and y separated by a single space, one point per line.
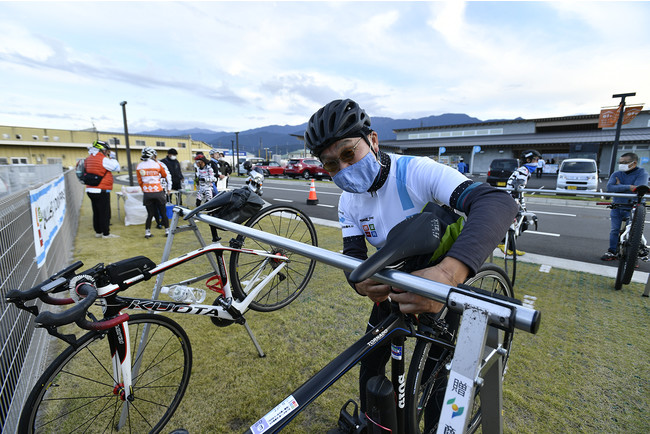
525 318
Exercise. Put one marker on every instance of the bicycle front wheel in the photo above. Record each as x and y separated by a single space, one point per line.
246 270
510 256
79 391
427 376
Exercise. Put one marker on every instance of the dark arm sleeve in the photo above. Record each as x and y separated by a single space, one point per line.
355 247
489 213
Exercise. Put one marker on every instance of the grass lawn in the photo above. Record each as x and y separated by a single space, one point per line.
587 369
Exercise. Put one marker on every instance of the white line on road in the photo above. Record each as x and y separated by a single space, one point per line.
282 200
543 233
325 205
553 213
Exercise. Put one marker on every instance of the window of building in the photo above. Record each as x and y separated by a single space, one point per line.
56 138
18 160
140 143
160 144
182 145
5 136
54 161
4 161
114 141
46 138
19 136
35 137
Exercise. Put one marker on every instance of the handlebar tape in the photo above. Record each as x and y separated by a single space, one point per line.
74 313
51 284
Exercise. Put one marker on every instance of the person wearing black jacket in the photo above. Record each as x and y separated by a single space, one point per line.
175 170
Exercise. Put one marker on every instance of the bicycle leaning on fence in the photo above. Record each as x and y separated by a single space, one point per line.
521 223
131 371
632 244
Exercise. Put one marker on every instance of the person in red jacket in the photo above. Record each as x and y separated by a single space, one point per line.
101 163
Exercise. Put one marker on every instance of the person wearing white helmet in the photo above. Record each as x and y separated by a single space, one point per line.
150 177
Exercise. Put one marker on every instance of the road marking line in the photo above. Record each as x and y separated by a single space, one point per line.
543 233
282 200
326 206
554 213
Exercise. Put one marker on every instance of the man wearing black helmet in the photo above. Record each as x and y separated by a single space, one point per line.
380 190
519 177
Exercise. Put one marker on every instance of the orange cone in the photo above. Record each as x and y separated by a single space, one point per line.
312 199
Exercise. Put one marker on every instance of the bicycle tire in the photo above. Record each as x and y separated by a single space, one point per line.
76 392
286 286
427 375
633 243
510 261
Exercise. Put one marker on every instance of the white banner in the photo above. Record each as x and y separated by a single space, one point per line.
48 211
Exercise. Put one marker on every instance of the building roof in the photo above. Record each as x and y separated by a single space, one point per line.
635 135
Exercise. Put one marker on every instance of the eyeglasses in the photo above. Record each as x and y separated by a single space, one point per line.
346 156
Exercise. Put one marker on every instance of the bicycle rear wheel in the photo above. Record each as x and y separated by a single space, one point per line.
510 260
77 392
427 375
286 222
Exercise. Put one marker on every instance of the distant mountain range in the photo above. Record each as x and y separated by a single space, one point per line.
279 139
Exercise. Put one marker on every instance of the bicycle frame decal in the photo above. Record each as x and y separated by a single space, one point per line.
275 415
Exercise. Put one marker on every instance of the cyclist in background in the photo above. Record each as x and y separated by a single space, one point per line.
518 180
625 180
151 177
381 190
101 161
519 177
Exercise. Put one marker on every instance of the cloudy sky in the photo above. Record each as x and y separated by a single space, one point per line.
233 66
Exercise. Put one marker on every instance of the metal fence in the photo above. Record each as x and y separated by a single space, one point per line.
21 345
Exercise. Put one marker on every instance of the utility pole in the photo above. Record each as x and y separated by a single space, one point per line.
126 139
232 146
619 123
237 140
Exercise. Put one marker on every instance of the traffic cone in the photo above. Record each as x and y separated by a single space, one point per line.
312 200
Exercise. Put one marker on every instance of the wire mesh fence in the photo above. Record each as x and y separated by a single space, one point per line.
21 345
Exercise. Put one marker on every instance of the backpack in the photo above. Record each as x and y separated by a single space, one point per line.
225 167
86 178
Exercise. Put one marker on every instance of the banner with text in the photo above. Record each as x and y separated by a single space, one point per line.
48 211
608 117
631 112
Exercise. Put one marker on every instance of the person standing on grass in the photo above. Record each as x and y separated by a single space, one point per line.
205 178
381 190
150 175
175 171
100 162
625 180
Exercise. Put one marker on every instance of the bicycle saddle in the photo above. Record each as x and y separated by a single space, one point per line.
216 202
416 235
641 190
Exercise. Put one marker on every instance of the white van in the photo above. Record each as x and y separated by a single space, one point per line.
578 174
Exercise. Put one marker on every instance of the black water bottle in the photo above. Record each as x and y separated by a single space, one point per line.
381 411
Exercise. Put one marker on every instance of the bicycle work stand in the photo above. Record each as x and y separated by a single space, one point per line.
477 353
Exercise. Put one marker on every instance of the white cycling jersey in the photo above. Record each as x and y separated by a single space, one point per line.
412 182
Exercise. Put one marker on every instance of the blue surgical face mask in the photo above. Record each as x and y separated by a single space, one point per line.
358 178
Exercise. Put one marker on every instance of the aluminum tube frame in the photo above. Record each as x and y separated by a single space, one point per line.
525 318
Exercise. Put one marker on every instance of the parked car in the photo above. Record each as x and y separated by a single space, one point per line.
306 168
500 171
577 174
271 168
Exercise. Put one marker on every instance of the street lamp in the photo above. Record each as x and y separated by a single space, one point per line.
126 138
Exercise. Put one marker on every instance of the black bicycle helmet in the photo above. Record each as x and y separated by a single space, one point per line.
530 153
248 165
337 120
